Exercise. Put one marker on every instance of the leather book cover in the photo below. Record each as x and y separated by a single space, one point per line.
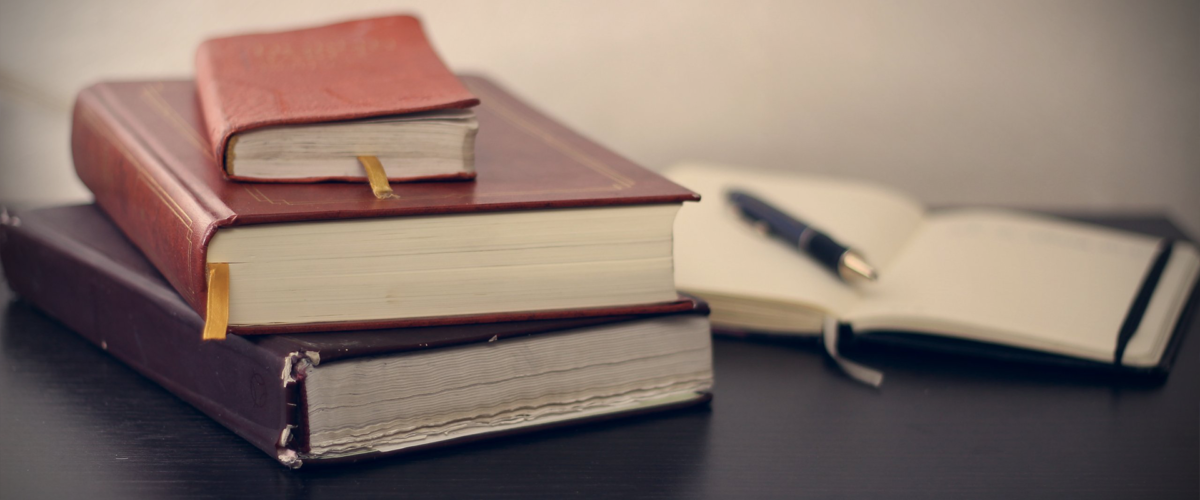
141 149
350 70
74 265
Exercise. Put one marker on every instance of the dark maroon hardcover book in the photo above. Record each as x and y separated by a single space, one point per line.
76 266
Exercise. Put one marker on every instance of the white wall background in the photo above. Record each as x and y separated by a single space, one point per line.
1082 105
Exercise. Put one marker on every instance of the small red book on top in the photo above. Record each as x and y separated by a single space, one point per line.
553 226
335 74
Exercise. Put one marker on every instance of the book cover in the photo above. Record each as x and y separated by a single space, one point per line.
73 264
141 149
350 70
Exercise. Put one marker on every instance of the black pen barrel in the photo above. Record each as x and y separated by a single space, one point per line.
825 250
778 223
822 248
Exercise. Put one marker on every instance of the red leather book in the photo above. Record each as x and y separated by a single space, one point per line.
141 149
74 265
351 70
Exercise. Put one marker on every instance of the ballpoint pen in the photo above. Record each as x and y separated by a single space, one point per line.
846 262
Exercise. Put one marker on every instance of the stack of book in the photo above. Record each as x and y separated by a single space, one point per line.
529 285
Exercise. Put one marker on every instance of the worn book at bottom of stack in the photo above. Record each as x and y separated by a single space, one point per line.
345 396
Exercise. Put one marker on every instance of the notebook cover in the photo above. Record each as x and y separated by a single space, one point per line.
141 149
73 264
355 69
898 343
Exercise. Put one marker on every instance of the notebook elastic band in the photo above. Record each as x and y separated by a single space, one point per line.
1133 318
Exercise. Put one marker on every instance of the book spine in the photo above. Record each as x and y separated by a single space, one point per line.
236 382
216 122
152 207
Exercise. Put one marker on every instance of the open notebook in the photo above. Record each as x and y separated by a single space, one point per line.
985 275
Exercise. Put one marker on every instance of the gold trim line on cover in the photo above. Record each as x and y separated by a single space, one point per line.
377 177
216 317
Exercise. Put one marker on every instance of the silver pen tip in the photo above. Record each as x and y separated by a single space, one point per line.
853 266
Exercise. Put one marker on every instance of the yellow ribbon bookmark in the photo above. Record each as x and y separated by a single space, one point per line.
216 319
377 177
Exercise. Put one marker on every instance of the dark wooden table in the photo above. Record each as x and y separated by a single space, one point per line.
76 423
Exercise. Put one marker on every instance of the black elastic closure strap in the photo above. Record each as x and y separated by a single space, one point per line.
1133 318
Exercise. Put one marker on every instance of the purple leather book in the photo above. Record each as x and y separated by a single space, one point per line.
320 397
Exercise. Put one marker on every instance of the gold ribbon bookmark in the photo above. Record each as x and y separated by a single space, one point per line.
216 318
377 177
